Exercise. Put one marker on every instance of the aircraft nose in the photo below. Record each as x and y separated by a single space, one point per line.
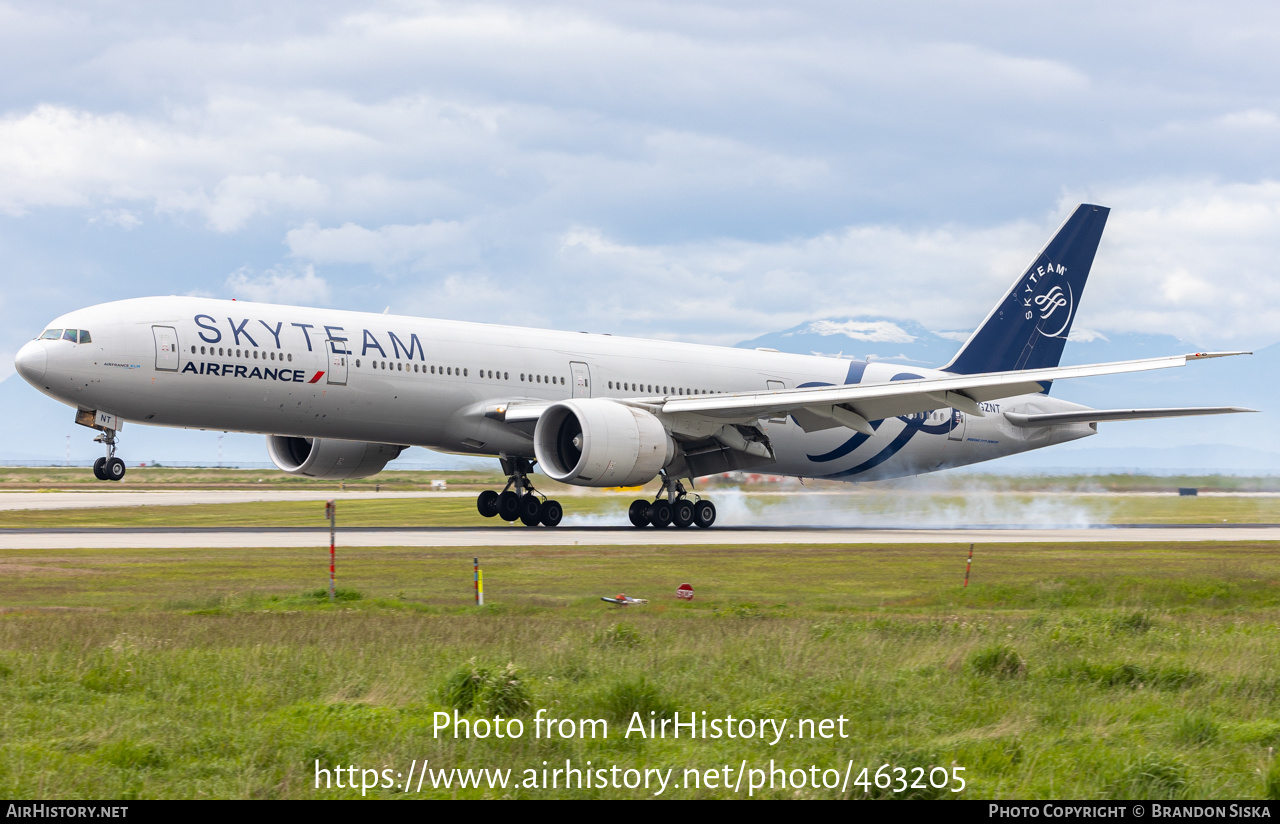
31 362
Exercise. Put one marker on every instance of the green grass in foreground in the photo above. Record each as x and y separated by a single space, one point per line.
1095 671
853 509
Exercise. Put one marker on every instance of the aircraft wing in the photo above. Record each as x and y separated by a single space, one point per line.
855 405
1095 415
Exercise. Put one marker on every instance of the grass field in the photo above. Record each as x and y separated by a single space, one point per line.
1070 671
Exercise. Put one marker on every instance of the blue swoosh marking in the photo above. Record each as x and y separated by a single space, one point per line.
883 455
845 448
908 432
860 438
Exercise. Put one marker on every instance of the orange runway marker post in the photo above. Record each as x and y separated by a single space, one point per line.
330 511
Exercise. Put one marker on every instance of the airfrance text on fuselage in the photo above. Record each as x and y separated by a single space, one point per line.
233 370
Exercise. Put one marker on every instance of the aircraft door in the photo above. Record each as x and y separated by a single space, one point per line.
337 374
581 379
957 426
166 348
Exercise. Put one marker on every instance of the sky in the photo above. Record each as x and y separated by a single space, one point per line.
697 171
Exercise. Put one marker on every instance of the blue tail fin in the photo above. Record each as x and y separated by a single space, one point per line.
1028 327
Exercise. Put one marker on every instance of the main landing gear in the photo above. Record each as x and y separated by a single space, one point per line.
676 509
518 499
109 468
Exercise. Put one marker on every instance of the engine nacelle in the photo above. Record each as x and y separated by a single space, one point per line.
329 458
598 442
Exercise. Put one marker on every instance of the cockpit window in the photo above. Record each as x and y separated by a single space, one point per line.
70 335
84 336
51 334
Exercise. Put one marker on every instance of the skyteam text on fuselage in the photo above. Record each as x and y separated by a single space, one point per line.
340 394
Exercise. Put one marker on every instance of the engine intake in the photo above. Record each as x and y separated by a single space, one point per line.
330 458
598 442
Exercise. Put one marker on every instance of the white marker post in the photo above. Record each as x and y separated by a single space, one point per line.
330 512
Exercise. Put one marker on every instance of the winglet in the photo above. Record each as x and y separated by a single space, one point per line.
1206 355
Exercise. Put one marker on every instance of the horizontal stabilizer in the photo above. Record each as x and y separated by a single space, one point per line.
1095 415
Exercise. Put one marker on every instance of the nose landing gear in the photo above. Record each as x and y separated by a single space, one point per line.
109 468
676 509
519 501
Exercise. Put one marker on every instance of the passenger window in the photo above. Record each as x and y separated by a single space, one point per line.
51 334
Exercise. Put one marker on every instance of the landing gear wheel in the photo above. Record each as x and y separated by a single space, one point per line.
550 513
114 469
100 469
639 513
530 511
682 513
660 514
487 503
704 514
508 506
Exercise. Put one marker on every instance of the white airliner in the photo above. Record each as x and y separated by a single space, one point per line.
339 394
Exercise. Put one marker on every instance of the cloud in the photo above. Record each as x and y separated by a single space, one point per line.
1194 258
705 172
120 218
876 331
278 285
387 246
1081 335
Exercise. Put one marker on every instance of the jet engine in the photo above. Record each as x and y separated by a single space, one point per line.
330 458
598 442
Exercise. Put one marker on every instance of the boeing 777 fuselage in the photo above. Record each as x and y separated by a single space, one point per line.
340 394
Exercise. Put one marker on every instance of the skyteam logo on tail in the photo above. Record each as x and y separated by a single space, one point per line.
1047 303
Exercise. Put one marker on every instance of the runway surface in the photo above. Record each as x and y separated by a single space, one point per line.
187 497
609 536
